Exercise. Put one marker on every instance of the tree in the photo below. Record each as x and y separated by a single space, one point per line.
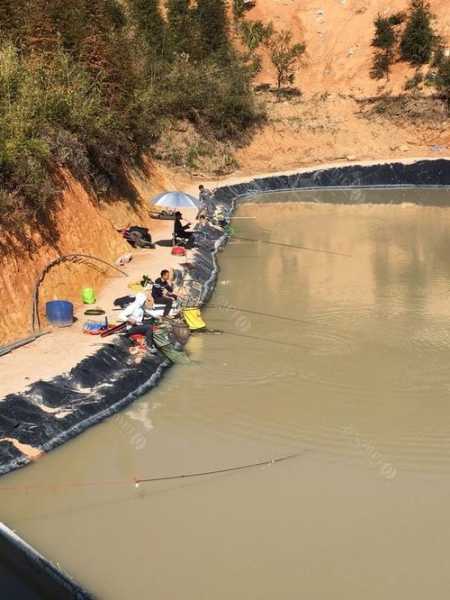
213 26
238 8
384 33
285 56
12 18
149 22
418 38
384 40
180 25
397 18
255 33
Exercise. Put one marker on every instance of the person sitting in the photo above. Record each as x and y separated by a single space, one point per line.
202 223
162 292
181 231
134 317
220 216
200 231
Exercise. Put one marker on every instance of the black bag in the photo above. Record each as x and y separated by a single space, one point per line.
124 301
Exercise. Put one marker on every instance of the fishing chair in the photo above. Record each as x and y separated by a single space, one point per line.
178 241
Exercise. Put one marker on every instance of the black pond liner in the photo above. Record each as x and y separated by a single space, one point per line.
424 173
27 575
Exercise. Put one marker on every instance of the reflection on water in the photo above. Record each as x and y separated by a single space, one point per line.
359 377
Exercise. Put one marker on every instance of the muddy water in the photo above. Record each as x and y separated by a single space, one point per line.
357 381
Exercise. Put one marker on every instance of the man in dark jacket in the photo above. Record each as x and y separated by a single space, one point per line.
180 230
162 292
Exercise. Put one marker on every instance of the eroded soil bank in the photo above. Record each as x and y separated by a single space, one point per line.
81 224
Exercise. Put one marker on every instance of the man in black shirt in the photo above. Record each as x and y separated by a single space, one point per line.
180 230
162 292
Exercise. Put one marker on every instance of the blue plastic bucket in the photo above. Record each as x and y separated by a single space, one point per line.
59 313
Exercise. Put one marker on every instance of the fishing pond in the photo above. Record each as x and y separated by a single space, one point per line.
329 341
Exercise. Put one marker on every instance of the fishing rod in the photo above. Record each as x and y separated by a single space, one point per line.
255 312
236 237
137 480
263 463
23 342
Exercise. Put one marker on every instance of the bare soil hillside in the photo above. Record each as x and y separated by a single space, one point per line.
340 112
336 118
338 36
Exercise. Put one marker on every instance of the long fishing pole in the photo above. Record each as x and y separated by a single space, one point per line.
137 480
236 237
255 312
224 470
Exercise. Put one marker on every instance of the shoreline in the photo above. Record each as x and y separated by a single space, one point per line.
101 379
231 180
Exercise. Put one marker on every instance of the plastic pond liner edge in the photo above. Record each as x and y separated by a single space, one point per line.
28 574
421 173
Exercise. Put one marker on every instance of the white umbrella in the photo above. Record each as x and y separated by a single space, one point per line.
176 200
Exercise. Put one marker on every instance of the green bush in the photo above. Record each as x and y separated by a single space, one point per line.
384 33
397 18
285 56
385 40
238 8
209 95
255 33
418 38
92 89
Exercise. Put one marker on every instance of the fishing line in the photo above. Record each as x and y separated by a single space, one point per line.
137 481
292 246
260 339
255 312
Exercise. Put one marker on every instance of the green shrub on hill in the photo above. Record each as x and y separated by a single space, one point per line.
90 85
285 56
418 38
